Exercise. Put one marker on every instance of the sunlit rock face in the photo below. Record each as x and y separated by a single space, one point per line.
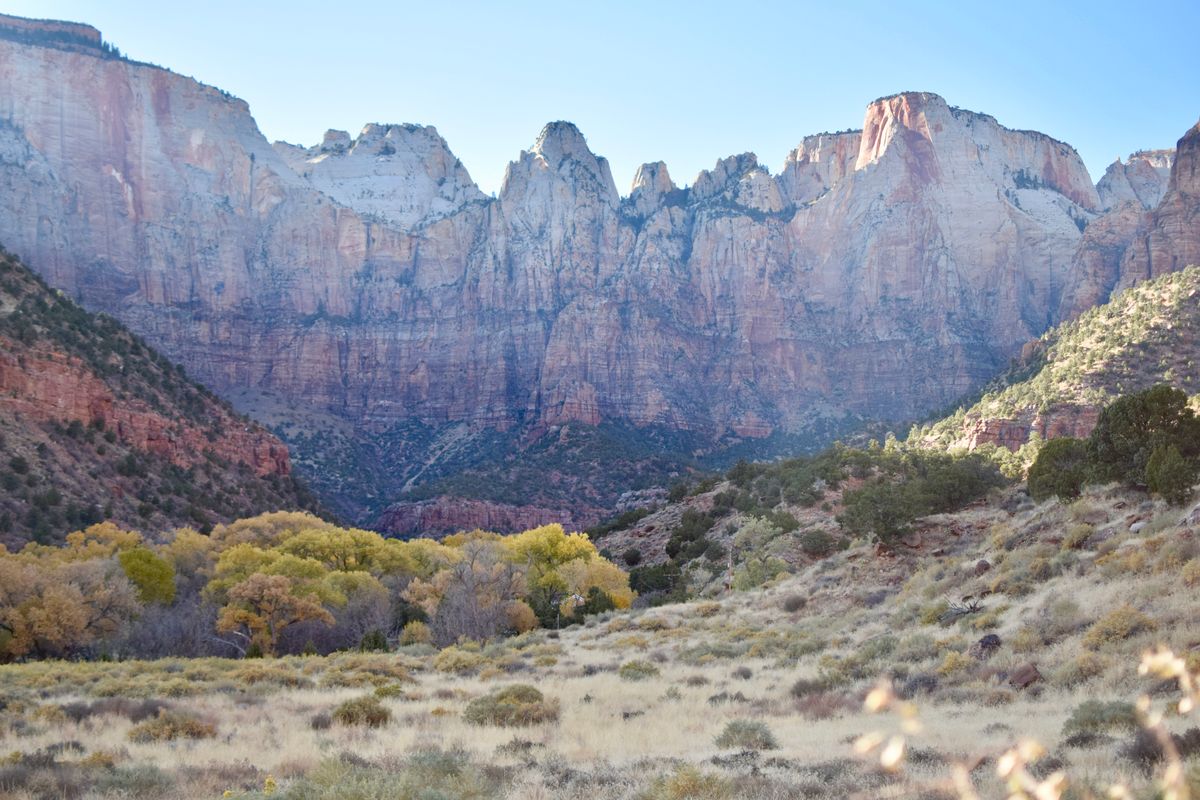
882 272
1169 237
403 174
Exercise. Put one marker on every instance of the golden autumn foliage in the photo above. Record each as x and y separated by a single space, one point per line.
260 578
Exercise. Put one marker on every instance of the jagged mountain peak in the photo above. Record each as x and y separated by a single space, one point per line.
404 174
560 154
560 140
651 184
653 176
1141 179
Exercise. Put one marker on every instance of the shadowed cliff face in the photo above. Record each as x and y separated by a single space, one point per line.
882 274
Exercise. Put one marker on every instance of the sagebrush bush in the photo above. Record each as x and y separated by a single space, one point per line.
1080 670
745 734
794 602
689 783
132 710
1077 536
1191 572
415 632
512 706
1098 716
456 659
170 725
954 663
1116 626
637 671
362 711
803 687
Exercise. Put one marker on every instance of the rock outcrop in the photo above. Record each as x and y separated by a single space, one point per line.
1169 238
405 175
881 274
1141 180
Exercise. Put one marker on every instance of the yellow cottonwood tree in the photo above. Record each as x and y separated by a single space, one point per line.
581 576
266 605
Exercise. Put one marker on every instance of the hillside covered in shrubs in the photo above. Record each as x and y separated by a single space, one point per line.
96 425
763 521
1144 336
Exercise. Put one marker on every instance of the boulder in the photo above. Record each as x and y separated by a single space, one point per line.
1025 676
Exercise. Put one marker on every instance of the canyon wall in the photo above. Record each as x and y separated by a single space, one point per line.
883 273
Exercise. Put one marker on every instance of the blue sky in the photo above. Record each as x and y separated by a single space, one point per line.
684 82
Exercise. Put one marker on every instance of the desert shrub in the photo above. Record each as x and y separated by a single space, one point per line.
794 602
1170 475
456 659
171 725
373 641
133 710
512 706
1191 572
803 687
321 721
817 543
1098 716
745 734
142 781
743 673
637 671
423 775
921 683
1077 536
1146 751
632 556
389 690
1081 669
757 571
954 663
689 783
1060 469
415 632
825 705
1116 626
364 711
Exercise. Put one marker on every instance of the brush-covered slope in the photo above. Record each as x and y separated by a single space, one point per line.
95 424
1145 335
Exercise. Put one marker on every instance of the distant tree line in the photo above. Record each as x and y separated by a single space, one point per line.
288 583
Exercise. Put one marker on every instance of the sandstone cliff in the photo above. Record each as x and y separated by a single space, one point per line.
1169 238
883 273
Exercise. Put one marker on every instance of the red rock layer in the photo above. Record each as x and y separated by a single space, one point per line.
42 385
